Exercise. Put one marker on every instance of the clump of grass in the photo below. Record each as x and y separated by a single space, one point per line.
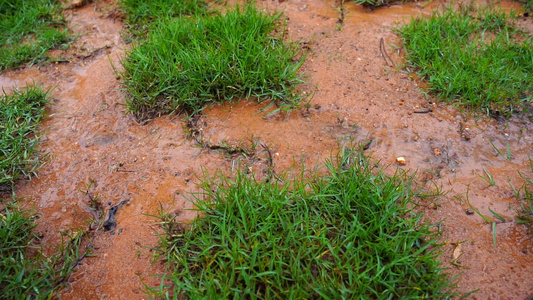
473 57
189 62
29 28
528 5
20 115
348 235
25 272
141 14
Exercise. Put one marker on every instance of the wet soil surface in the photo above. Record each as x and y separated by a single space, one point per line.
359 96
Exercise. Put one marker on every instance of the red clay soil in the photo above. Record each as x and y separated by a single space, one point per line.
357 96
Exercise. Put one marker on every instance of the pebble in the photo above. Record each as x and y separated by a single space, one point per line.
401 161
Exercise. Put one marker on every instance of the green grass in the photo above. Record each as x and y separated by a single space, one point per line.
187 63
528 5
20 115
474 58
348 235
28 29
526 215
141 14
25 272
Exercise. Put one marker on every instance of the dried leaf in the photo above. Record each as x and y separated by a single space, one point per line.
457 252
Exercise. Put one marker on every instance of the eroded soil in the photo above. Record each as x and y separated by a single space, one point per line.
358 96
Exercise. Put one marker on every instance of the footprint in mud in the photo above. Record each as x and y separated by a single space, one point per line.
101 279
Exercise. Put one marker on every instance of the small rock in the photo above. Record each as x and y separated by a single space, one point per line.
401 161
465 134
76 3
469 211
437 152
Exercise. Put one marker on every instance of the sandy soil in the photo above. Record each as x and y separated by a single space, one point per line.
357 96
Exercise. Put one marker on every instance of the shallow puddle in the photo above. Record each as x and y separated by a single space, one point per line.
358 96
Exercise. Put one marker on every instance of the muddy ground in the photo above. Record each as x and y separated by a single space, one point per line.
357 95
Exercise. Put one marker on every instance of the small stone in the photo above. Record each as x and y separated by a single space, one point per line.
469 211
437 152
76 3
401 161
465 134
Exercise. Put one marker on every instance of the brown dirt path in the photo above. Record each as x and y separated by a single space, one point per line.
357 96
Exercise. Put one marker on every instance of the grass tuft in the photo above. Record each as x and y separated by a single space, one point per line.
187 63
350 234
528 5
29 28
20 115
25 272
473 57
141 14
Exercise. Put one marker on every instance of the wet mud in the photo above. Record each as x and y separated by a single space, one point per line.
358 94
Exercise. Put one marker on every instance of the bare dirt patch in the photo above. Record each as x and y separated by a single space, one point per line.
357 95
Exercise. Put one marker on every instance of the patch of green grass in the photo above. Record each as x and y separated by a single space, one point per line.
28 29
25 272
20 115
348 235
474 58
141 14
528 5
187 63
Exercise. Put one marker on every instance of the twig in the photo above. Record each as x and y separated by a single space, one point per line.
270 161
427 111
341 17
385 54
196 134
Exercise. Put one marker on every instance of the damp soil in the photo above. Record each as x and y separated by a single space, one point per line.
358 95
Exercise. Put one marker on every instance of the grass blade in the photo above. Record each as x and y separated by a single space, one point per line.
496 148
494 234
488 178
497 215
508 151
475 209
